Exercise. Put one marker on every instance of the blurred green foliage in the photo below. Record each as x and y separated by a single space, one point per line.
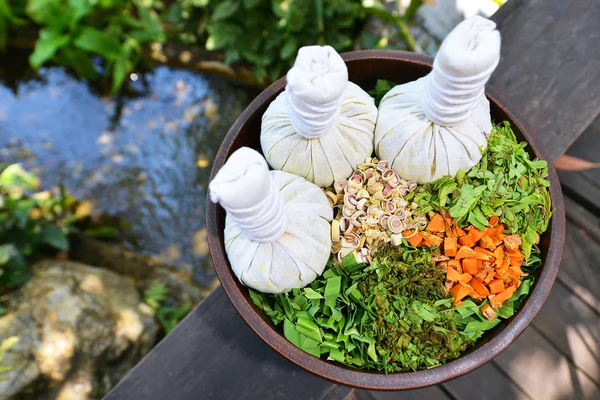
265 35
167 315
31 223
4 346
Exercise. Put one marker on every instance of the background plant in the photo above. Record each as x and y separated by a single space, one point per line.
168 315
264 35
4 346
31 224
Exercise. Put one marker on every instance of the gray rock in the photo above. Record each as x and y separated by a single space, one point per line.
81 329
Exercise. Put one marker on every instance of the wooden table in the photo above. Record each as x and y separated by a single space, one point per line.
550 69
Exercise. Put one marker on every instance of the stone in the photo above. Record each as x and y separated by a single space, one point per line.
81 328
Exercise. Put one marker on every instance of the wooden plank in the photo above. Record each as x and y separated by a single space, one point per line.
579 269
543 372
584 186
582 218
429 393
573 328
550 65
213 354
485 383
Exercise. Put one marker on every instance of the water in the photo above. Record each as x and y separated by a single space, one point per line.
143 158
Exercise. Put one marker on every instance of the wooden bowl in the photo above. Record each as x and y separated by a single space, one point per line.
364 68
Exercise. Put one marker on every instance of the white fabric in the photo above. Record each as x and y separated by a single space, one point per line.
438 125
347 141
245 189
315 88
296 257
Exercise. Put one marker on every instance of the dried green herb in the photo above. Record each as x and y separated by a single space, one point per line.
415 326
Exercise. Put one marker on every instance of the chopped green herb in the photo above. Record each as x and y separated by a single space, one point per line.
505 183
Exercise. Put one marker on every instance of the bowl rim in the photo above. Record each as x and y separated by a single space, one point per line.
403 380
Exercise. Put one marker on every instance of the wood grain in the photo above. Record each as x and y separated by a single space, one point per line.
579 270
550 65
429 393
485 383
543 372
573 328
213 354
585 185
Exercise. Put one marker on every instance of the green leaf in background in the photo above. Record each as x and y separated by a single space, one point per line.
225 10
15 177
95 41
80 61
47 45
55 237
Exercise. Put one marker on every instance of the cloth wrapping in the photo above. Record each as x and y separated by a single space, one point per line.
438 125
321 126
277 228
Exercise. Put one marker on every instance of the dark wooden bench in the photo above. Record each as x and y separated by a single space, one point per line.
550 69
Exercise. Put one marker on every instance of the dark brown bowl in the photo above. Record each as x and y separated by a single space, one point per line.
364 68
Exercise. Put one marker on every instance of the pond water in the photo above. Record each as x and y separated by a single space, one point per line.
142 158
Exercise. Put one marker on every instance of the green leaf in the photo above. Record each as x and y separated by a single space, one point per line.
311 294
309 329
8 343
46 46
289 49
7 251
79 61
476 326
14 176
55 237
225 10
92 40
332 290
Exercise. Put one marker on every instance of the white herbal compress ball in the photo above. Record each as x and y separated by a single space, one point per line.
277 229
438 125
321 126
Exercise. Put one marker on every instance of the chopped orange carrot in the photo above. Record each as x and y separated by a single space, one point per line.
436 224
467 240
500 298
512 243
489 231
465 278
489 277
460 232
455 264
517 270
479 288
494 220
480 275
516 262
459 292
430 240
483 254
500 228
504 268
487 243
413 237
515 273
496 286
499 256
450 246
537 238
452 274
465 252
476 233
488 312
469 265
448 219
